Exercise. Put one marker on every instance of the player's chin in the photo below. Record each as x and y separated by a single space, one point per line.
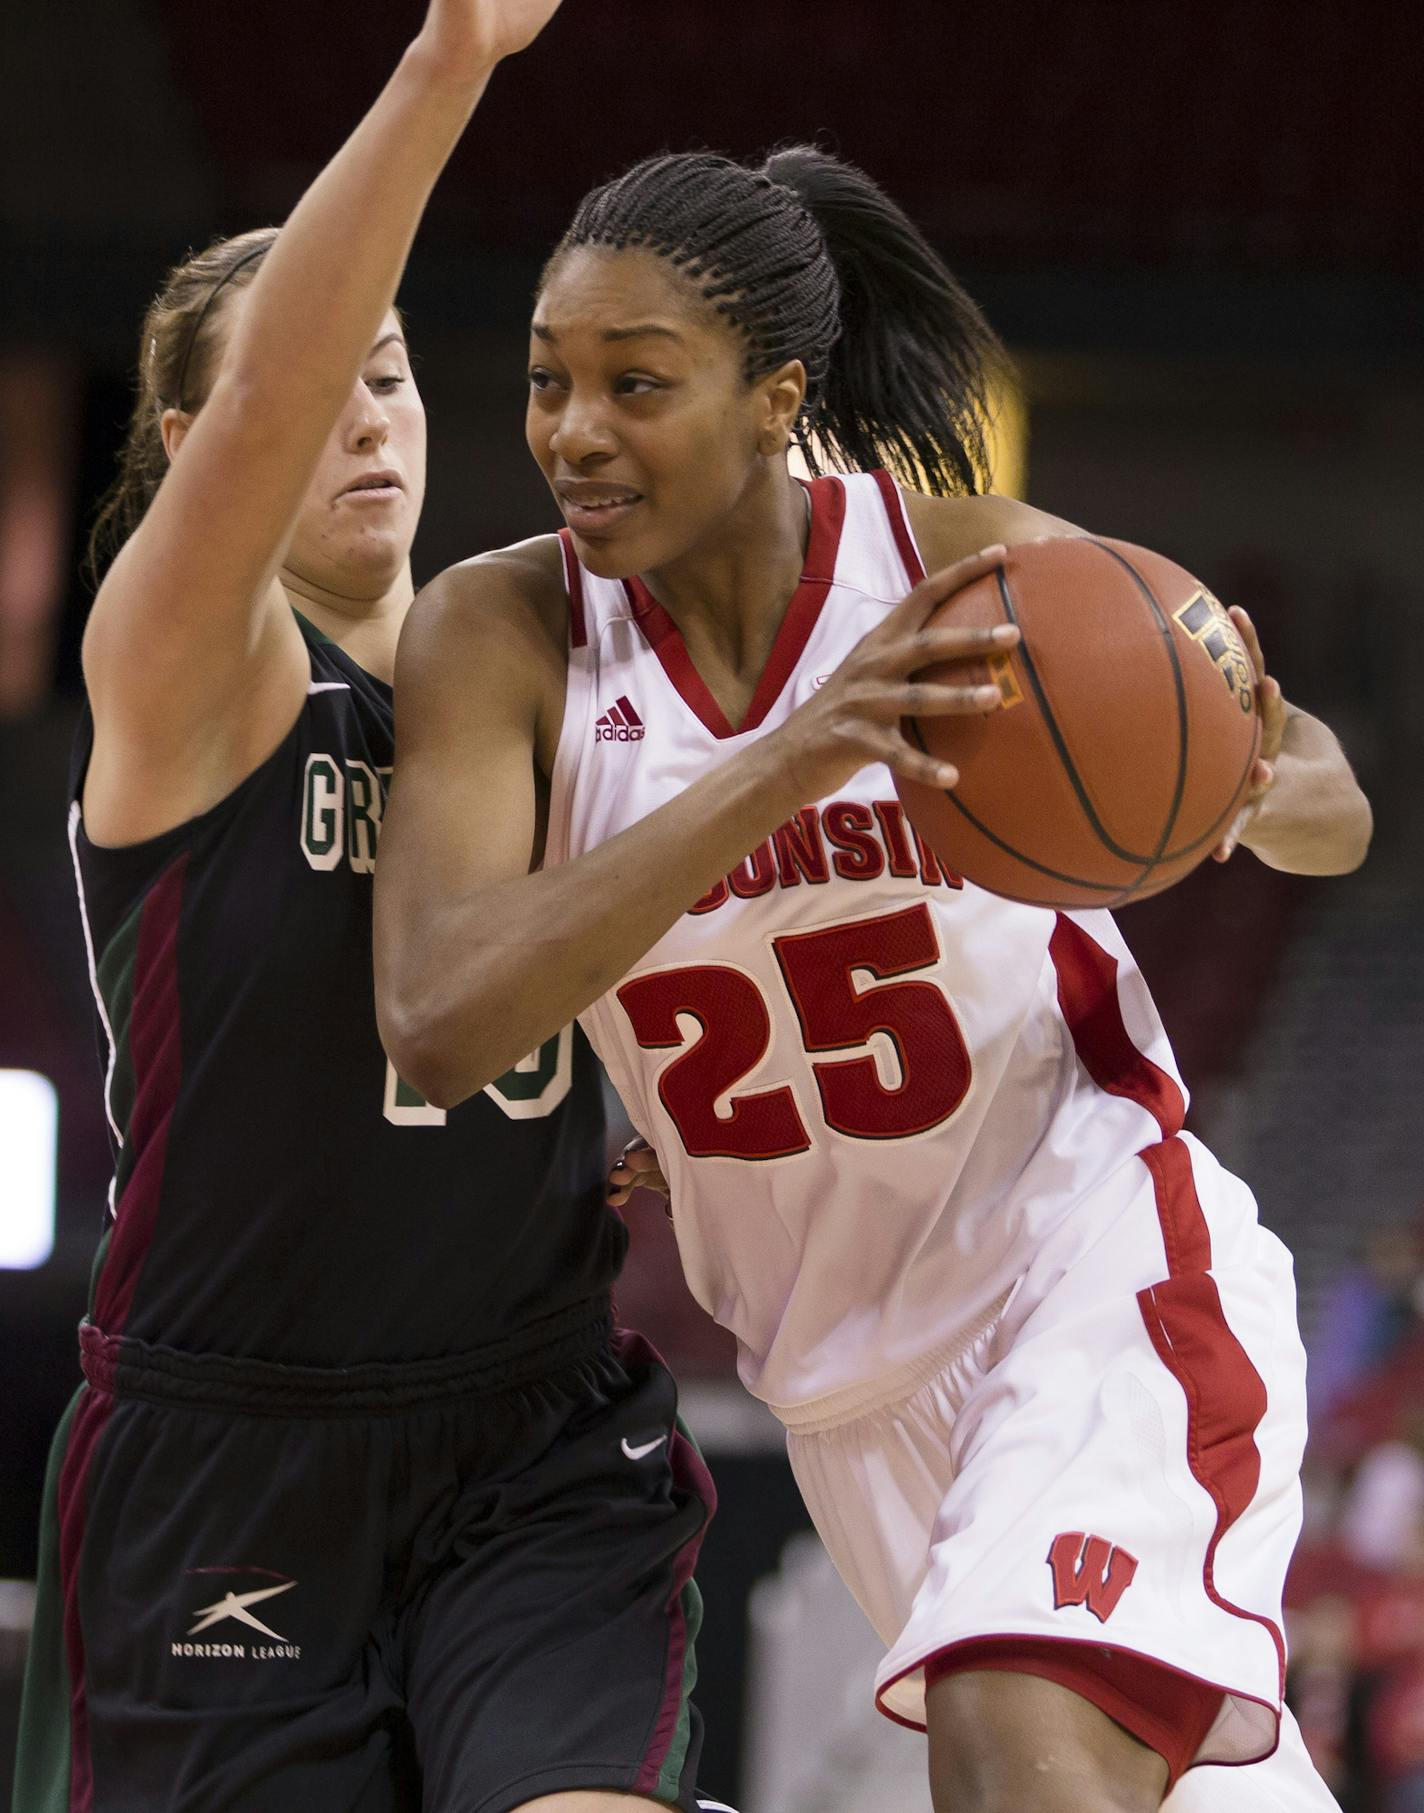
611 554
375 554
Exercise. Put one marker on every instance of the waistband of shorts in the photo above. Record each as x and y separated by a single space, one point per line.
852 1401
129 1368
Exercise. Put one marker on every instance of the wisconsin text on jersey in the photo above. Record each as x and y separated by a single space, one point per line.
847 838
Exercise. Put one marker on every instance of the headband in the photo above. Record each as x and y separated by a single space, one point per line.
212 296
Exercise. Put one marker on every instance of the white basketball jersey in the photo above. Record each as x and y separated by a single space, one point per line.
873 1088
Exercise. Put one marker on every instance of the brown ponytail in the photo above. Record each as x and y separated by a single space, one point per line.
176 364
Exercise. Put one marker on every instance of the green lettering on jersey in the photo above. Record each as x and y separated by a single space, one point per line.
407 1107
363 816
532 1090
323 812
538 1083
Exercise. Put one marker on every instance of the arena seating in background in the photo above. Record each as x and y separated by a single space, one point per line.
1151 132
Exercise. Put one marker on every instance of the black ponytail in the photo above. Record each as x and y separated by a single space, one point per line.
908 383
811 260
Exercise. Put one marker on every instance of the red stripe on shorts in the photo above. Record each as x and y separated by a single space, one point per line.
1226 1396
84 1433
690 1474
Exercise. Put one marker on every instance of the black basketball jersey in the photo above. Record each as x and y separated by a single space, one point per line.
279 1193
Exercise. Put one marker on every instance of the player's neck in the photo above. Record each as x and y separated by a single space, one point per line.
366 627
729 594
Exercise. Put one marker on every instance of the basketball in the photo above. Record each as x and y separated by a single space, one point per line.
1125 742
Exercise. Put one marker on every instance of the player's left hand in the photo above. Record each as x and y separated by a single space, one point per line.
637 1169
1273 728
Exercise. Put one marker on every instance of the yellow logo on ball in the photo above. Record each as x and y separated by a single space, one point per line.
1205 620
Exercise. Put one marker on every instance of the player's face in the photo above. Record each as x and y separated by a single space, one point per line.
361 510
639 414
359 516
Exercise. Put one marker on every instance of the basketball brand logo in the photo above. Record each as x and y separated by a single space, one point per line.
619 724
1206 622
1090 1571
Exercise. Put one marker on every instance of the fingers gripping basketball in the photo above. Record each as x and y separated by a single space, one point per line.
1129 728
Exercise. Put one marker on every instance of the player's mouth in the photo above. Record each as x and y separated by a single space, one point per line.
375 487
592 509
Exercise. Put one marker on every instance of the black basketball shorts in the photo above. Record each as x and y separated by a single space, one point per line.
451 1586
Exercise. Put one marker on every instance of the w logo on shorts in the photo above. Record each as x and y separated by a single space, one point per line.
1091 1571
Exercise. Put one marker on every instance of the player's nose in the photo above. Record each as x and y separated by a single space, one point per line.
582 432
367 422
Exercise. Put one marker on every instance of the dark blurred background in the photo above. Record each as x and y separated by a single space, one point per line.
1200 229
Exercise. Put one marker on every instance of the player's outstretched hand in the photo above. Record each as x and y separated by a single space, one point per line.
468 37
1273 727
637 1169
856 717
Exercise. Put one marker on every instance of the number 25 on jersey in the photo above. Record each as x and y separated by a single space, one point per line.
847 983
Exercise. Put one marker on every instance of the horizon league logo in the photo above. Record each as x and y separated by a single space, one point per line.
236 1607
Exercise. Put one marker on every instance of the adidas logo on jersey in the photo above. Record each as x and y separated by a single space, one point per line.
619 724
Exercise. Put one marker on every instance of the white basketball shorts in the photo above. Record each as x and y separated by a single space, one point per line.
1106 1474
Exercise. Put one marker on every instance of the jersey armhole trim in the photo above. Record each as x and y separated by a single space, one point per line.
899 525
573 584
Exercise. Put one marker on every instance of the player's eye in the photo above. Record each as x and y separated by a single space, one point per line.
636 384
384 386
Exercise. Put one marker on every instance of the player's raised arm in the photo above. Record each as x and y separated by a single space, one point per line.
193 663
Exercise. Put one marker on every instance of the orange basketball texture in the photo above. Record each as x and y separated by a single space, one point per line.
1124 746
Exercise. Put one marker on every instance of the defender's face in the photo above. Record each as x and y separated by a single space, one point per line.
639 415
362 508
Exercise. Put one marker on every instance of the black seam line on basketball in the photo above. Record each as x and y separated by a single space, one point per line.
1169 642
1215 830
1077 881
1110 844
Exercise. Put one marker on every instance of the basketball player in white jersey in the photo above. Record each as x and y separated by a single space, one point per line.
1037 1360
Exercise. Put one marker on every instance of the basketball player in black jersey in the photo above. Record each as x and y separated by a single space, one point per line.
363 1503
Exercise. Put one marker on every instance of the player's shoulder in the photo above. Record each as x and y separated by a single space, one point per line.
948 528
502 613
519 588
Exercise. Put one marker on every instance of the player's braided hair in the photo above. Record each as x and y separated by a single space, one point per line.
808 259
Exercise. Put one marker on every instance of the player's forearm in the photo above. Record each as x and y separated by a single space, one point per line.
1315 820
465 988
322 291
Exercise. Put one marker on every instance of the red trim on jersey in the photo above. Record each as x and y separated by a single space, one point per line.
1169 1711
573 583
155 1048
84 1432
899 525
1226 1396
1087 994
828 505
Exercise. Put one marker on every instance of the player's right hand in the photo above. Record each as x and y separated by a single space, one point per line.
856 717
468 37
